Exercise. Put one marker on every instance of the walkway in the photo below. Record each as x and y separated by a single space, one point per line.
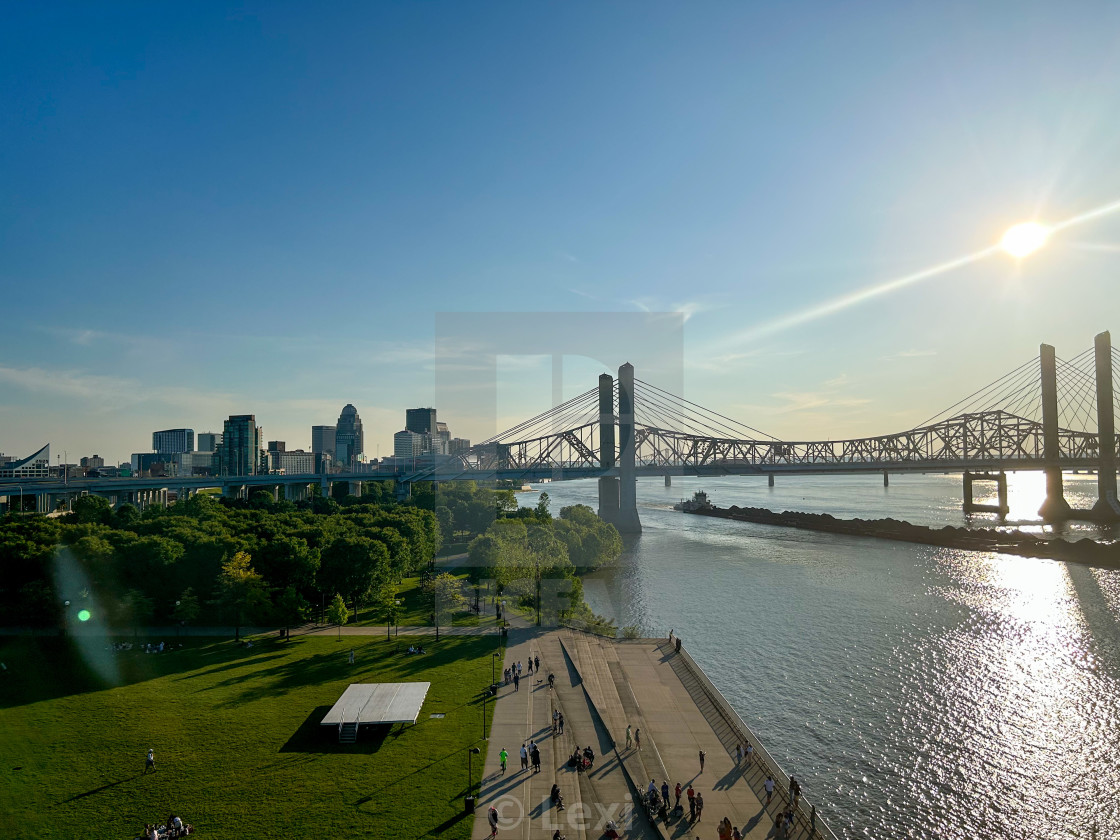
601 686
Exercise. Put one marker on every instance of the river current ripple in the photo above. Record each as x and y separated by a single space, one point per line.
916 691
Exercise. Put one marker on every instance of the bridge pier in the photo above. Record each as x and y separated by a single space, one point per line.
886 479
355 488
770 480
1000 479
403 490
608 485
668 481
1055 508
627 522
1107 508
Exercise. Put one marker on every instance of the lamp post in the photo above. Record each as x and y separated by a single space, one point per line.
473 751
494 668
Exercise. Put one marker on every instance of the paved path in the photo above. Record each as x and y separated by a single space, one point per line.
601 686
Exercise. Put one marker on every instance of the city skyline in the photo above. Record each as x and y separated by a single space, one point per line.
305 204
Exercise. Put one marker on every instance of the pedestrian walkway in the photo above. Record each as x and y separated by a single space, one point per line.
601 687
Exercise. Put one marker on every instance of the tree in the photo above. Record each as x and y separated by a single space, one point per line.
338 614
188 608
241 590
291 608
542 507
91 508
135 608
353 565
447 597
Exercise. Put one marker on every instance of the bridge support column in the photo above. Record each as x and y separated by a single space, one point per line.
770 480
627 522
1055 508
1107 508
608 485
970 506
886 479
403 490
668 481
356 488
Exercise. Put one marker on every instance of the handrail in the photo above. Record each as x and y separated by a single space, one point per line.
744 733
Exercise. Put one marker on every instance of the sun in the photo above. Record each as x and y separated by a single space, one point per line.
1024 239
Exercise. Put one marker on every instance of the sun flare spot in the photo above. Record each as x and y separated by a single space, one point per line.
1024 239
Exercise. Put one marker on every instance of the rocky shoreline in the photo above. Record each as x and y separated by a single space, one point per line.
1084 550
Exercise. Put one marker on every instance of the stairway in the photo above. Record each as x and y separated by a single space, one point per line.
348 732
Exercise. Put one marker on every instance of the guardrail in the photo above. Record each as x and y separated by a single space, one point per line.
812 826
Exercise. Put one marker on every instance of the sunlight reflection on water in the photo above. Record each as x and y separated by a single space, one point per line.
917 691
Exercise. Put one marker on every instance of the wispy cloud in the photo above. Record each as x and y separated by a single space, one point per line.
686 308
587 295
908 354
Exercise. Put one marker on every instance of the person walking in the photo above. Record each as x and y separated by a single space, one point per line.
638 738
678 790
524 757
665 792
516 682
750 753
738 754
530 666
537 663
769 785
351 659
794 792
702 754
503 757
691 804
535 755
555 720
492 818
699 806
629 737
150 762
561 721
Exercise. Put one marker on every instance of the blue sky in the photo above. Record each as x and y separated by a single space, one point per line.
209 209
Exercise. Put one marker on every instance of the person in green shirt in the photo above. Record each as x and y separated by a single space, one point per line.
503 756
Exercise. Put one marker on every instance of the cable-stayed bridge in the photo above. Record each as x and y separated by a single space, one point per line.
1048 414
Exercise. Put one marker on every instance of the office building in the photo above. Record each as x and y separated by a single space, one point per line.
349 441
408 444
458 446
276 446
170 441
209 441
198 462
37 465
94 462
421 421
296 462
322 439
240 449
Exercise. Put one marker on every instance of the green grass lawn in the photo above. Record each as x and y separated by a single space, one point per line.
416 608
236 734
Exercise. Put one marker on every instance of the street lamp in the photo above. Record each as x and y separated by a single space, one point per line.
493 668
473 751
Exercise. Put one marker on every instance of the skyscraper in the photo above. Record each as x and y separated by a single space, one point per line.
322 439
422 421
209 441
240 450
349 442
172 441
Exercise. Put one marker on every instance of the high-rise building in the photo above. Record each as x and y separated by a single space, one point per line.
240 450
458 446
93 462
408 444
322 439
349 442
422 421
276 446
171 441
209 441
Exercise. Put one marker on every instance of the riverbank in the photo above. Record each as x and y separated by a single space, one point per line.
1087 551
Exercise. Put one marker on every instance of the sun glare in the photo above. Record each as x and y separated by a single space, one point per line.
1024 239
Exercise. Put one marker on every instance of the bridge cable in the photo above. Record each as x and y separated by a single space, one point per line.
685 417
583 400
1026 367
708 413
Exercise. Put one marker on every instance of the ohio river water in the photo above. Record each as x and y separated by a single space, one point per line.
916 691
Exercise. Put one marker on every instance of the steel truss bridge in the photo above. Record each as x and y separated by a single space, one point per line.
1048 414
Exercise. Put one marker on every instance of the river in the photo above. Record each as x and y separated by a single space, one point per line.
916 691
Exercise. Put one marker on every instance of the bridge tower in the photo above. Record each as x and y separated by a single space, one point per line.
1107 507
1055 507
608 485
627 522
